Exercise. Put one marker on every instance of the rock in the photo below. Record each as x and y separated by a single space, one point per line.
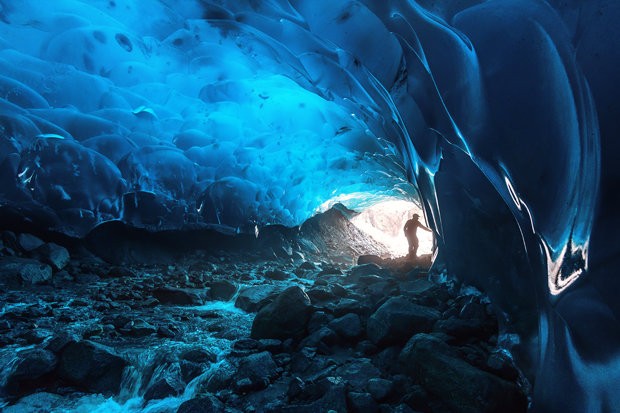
251 299
361 403
322 339
221 378
138 328
369 259
163 387
348 326
16 272
364 270
398 319
61 278
91 367
286 317
318 320
459 385
307 265
37 402
222 290
205 404
276 274
177 296
199 355
54 255
327 395
30 366
255 372
87 278
357 372
380 389
463 329
29 242
321 294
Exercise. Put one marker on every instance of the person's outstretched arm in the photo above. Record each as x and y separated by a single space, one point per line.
424 228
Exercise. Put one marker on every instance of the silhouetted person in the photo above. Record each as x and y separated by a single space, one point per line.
411 227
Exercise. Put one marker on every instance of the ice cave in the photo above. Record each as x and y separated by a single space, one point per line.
204 206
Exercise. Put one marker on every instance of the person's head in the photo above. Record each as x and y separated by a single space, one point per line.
415 217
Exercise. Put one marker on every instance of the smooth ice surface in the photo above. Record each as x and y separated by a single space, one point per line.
504 113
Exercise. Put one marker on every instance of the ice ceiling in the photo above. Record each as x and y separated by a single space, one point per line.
503 113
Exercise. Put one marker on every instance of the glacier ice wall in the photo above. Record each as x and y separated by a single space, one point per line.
503 112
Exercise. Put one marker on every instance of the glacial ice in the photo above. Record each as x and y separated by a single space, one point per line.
503 114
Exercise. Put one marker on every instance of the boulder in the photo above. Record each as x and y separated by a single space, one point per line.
398 319
380 389
177 296
286 317
276 274
369 259
459 385
16 272
255 372
54 255
163 387
29 242
361 403
254 298
205 404
91 367
222 290
349 326
28 369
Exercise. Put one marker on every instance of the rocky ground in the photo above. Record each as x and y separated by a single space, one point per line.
233 332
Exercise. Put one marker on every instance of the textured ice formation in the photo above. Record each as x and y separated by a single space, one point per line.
503 113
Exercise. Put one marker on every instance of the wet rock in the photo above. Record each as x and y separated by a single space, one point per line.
276 274
177 296
464 329
251 299
86 278
364 270
255 372
286 317
321 294
307 265
322 339
328 394
318 319
222 378
199 355
91 367
357 372
61 278
15 272
37 402
369 259
205 404
222 290
27 371
165 331
380 389
164 387
459 385
138 328
53 254
398 319
348 326
29 242
361 403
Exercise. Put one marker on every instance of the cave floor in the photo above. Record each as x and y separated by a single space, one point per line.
180 337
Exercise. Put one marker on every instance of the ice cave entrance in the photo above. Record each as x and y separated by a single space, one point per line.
384 222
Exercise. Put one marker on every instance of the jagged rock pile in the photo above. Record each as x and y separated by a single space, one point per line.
366 341
302 337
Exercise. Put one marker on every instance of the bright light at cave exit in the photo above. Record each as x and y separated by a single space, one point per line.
384 222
